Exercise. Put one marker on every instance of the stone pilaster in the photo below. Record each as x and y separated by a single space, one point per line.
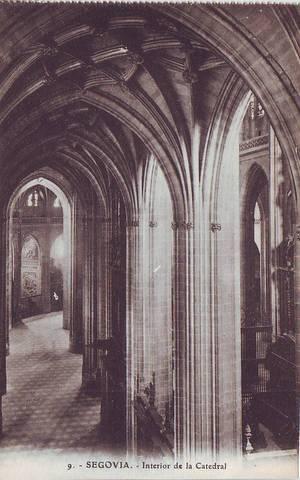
184 338
297 305
276 230
133 314
73 315
4 291
90 254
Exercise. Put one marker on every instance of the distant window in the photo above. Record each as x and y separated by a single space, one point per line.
33 199
30 200
258 227
56 202
260 110
57 251
252 107
255 108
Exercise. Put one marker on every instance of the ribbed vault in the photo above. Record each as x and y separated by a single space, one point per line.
109 85
102 93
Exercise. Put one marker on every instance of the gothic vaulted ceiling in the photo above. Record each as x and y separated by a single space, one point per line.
105 84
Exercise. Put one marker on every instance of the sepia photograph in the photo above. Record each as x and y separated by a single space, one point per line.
149 240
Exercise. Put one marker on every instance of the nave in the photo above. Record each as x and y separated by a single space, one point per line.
160 146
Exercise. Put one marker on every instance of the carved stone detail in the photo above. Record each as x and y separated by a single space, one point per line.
50 51
167 26
133 223
215 227
135 57
50 76
254 143
189 76
297 233
153 224
248 435
124 86
99 32
187 225
184 225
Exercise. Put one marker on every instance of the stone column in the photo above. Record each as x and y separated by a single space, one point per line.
73 273
220 355
45 267
16 288
133 331
90 313
103 331
94 271
297 306
276 229
184 334
4 291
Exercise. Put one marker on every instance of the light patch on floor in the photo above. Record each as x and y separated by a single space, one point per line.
44 406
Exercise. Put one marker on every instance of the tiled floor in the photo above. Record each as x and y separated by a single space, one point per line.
44 406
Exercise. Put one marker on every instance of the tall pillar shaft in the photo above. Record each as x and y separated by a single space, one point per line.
133 314
184 331
297 307
73 284
276 228
90 306
3 311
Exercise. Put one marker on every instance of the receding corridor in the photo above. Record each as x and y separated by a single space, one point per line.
44 406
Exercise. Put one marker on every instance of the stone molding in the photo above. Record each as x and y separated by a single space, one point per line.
254 143
153 224
182 225
133 223
215 227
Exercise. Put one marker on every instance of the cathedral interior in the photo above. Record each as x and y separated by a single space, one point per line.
150 228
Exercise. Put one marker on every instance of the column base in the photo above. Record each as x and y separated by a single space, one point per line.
75 347
91 387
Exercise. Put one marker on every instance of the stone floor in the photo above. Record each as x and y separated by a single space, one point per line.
44 406
51 427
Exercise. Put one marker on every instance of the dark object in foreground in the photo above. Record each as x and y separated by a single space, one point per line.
276 408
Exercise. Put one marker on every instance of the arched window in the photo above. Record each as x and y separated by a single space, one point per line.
33 199
30 200
57 252
255 108
255 248
257 226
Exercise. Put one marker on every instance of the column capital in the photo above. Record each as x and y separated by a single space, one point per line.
215 227
133 223
105 219
153 224
182 225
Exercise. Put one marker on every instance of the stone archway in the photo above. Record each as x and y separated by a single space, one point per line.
83 229
221 167
220 273
38 180
199 206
